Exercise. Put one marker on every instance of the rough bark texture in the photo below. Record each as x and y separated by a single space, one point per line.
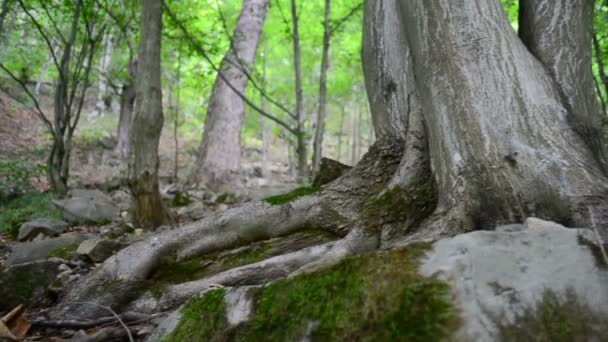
318 142
560 33
147 207
220 151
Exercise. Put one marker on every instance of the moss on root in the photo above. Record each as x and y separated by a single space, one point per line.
557 318
398 205
376 297
292 195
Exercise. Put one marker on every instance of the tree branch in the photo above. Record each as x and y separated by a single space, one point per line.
345 18
42 33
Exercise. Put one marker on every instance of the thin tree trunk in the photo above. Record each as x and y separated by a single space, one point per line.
265 126
127 103
341 132
220 150
318 142
42 75
176 118
104 66
356 135
147 206
301 148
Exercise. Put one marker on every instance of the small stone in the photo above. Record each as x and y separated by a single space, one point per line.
98 250
64 268
45 227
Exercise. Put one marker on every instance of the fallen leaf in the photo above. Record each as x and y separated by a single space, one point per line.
15 325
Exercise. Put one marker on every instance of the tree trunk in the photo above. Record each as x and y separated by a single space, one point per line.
104 66
301 148
127 102
318 142
147 207
176 119
220 151
265 126
355 137
341 132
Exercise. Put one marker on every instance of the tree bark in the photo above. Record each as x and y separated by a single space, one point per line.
220 151
559 34
321 113
265 126
147 207
301 148
127 103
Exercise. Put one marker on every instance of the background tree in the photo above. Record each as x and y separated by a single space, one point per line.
147 206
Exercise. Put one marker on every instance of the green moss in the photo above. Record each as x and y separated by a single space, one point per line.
66 252
25 208
379 297
201 318
411 204
290 196
557 319
181 199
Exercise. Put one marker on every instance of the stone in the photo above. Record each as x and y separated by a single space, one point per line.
39 250
27 284
329 171
47 227
166 326
98 250
497 275
88 207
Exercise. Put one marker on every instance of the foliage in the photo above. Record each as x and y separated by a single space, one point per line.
292 195
17 171
378 297
25 208
557 318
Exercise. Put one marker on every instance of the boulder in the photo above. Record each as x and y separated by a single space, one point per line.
98 250
46 227
88 207
329 171
39 250
496 276
28 283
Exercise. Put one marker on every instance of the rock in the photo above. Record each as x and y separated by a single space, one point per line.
40 250
497 275
330 170
98 250
47 227
27 284
88 207
166 326
108 142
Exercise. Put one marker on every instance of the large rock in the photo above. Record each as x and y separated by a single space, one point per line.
497 275
88 207
27 283
43 249
98 250
46 227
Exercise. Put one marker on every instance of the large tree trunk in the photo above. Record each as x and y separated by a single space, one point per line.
147 207
318 142
220 151
485 138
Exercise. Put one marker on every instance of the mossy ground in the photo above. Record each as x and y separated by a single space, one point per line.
557 318
25 208
376 297
66 252
292 195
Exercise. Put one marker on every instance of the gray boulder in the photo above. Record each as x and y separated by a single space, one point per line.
98 250
497 275
88 207
28 283
39 250
46 227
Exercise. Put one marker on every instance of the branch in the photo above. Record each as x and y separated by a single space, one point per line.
239 65
42 33
202 51
113 314
38 111
345 18
53 22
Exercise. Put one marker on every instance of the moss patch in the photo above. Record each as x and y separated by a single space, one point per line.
66 252
557 318
398 205
290 196
25 208
379 297
201 318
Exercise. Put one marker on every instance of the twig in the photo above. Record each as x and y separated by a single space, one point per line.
127 317
113 313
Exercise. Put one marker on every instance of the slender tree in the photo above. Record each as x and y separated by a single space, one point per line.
104 67
147 207
321 113
301 144
219 155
